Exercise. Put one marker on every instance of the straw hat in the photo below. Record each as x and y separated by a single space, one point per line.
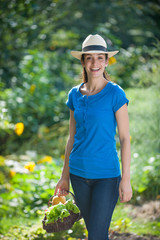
93 44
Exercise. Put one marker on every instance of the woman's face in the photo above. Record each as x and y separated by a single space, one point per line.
95 64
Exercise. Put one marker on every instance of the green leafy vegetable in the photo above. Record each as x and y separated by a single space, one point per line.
60 211
55 212
71 206
64 214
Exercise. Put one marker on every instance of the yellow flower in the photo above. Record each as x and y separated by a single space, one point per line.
12 173
130 138
30 166
19 128
112 60
63 156
45 159
32 88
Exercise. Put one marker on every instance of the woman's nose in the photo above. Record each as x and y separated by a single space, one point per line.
94 60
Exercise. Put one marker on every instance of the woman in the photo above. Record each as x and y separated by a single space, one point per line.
97 106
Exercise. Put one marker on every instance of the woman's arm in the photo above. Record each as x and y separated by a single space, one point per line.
63 184
125 190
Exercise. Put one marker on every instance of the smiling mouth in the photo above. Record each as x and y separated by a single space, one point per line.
95 69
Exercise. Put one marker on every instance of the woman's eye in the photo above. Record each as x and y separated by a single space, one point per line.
90 58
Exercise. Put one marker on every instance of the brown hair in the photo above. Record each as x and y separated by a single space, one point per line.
84 75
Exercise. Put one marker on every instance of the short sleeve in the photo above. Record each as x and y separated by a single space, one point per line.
69 101
119 98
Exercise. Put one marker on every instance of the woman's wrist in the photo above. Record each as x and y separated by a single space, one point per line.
65 177
125 177
65 173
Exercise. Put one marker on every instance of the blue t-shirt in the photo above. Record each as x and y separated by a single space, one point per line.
94 153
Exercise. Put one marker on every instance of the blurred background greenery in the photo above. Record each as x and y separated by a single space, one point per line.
36 73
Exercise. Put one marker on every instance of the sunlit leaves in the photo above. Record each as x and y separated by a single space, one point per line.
33 187
122 224
57 26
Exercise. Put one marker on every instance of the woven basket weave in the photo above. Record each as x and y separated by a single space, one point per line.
58 225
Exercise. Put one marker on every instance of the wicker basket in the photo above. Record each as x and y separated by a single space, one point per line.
59 225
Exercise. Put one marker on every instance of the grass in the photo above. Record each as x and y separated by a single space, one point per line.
144 119
121 221
6 223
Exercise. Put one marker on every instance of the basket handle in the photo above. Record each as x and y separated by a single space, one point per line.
55 195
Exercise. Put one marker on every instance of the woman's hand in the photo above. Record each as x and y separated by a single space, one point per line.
125 190
62 187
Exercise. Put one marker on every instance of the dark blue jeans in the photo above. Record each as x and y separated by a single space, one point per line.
96 199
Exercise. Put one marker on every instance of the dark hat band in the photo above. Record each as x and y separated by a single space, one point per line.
94 48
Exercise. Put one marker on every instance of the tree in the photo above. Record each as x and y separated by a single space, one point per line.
60 25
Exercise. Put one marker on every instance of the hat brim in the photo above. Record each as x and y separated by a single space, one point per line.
78 54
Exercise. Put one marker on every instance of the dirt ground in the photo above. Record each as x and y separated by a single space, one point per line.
129 236
149 211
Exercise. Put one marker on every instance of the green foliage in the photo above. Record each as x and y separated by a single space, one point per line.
26 189
144 118
26 195
122 224
39 99
145 142
58 26
137 67
34 231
